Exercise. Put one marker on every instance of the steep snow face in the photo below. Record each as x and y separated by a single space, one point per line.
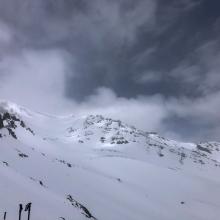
92 167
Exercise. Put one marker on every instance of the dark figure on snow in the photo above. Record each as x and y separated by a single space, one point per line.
28 209
5 215
20 210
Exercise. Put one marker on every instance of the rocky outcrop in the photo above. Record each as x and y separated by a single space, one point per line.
10 122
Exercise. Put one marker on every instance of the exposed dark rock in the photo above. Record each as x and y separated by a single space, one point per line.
76 204
6 116
22 124
30 130
12 133
69 165
199 147
5 163
64 162
8 121
41 183
1 122
202 162
23 155
182 157
102 139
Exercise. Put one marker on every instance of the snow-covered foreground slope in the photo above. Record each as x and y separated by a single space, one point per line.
97 168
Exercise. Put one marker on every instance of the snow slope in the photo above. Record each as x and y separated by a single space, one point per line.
92 167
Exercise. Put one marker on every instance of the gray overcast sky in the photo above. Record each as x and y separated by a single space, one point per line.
151 63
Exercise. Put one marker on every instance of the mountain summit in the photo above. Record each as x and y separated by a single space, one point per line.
93 167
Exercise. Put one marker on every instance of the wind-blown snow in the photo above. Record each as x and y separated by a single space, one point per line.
100 168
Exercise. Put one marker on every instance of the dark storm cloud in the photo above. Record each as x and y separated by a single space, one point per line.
135 48
111 40
175 34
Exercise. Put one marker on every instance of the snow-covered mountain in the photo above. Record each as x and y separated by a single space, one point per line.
93 167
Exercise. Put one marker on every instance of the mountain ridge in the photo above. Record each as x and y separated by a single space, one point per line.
97 167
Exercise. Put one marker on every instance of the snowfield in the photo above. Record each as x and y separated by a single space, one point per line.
92 167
